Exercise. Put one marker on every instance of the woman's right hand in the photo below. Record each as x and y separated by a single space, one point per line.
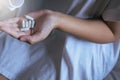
11 27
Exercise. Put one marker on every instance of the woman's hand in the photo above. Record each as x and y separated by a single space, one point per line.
11 27
91 30
45 22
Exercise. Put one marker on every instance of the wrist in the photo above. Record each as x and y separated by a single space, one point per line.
54 17
62 20
58 19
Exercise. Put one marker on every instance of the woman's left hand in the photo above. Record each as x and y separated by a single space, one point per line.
11 27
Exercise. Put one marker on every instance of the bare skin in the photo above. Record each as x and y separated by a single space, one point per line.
11 27
91 30
46 21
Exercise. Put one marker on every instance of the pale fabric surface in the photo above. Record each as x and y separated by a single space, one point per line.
115 73
60 56
111 13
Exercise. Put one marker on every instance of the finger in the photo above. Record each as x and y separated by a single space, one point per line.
21 33
32 39
13 20
25 38
28 32
14 25
15 34
25 32
29 39
22 18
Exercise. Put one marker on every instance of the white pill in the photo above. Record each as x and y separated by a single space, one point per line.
27 29
29 17
24 29
27 24
23 24
33 24
30 23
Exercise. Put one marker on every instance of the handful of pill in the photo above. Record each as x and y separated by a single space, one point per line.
26 25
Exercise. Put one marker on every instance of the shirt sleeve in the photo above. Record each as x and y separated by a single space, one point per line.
112 11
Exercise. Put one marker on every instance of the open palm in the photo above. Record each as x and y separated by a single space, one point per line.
44 24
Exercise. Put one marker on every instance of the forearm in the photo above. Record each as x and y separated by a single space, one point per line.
92 30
